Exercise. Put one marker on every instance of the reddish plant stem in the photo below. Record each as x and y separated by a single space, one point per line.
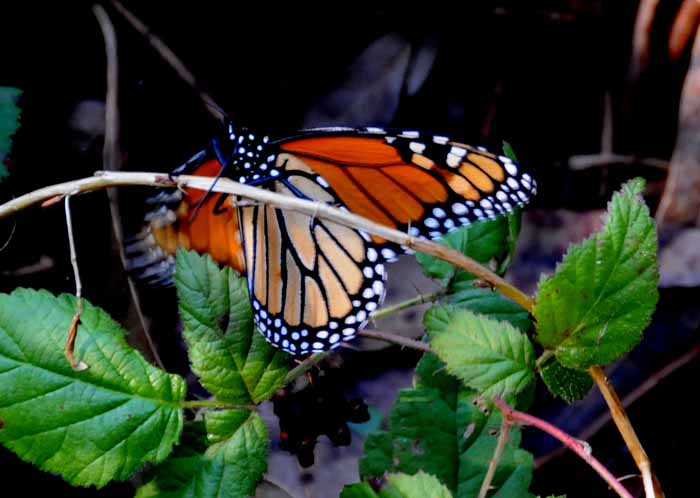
567 440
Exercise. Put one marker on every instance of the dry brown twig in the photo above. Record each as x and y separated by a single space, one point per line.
111 158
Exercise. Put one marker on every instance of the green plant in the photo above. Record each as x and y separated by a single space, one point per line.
452 434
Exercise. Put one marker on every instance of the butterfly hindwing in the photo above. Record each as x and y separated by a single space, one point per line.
313 283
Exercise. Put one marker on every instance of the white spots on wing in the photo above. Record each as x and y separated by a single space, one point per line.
388 254
409 134
348 331
512 183
368 293
439 212
372 254
486 204
378 287
459 208
241 150
458 151
374 129
453 161
417 147
439 139
431 223
368 272
501 196
511 168
334 338
322 182
390 140
274 172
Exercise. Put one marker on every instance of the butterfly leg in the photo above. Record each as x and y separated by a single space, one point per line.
192 163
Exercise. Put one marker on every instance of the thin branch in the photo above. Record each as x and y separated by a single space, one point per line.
305 366
652 487
73 328
571 443
173 60
655 379
318 209
503 435
408 303
395 339
213 403
111 158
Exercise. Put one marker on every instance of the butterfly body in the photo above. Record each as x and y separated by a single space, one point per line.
313 284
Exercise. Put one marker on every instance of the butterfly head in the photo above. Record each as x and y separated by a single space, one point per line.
247 154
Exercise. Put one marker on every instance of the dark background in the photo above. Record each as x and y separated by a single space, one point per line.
533 73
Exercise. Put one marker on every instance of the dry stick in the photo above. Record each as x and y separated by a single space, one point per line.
408 303
503 435
633 396
571 443
395 339
652 488
73 328
173 60
111 158
112 178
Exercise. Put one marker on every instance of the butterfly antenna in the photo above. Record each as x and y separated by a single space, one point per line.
224 163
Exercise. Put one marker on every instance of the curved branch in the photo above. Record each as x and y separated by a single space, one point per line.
105 179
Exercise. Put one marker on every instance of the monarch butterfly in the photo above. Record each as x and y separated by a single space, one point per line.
314 283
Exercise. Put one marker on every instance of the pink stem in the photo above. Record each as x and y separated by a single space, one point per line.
567 440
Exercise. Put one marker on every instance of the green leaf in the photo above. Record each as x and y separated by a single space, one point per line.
601 297
441 428
509 152
465 294
231 467
93 426
567 383
378 453
420 485
481 241
9 122
232 360
487 355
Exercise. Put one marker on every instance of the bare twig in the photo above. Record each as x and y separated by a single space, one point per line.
408 303
73 328
652 487
503 435
633 396
641 39
111 157
576 446
586 161
107 179
305 366
395 339
173 60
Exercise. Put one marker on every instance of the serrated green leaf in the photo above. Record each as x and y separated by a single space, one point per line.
232 360
231 467
9 122
601 297
93 426
399 485
567 383
377 457
463 293
487 355
441 428
481 241
420 485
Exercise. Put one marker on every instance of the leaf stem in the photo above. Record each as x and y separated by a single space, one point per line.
571 443
395 339
305 366
652 487
544 357
213 403
318 209
408 303
503 436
